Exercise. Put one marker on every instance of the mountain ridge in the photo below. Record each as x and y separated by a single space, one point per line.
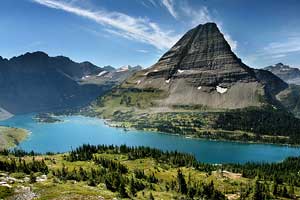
35 82
289 74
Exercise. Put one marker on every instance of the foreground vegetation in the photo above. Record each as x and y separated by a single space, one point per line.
11 137
107 172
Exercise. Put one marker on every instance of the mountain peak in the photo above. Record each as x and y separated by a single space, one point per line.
203 49
201 69
279 64
36 54
289 74
209 26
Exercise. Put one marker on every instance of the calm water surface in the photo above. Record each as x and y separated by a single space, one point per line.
77 130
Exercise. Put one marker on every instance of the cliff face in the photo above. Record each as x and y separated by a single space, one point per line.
201 69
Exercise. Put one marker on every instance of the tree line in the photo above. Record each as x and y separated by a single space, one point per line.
21 165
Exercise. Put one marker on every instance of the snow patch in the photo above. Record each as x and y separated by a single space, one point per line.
155 70
85 77
168 81
180 71
102 73
221 90
138 82
199 88
124 68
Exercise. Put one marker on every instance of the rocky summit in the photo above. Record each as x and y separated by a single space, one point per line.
288 74
201 69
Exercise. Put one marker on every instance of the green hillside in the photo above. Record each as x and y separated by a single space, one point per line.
136 108
107 172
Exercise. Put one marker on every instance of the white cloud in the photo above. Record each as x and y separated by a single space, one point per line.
278 56
233 43
169 4
139 29
201 16
153 3
274 51
290 45
142 51
196 16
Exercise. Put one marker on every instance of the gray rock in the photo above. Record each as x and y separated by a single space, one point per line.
201 69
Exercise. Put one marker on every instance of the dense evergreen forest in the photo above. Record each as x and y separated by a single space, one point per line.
262 122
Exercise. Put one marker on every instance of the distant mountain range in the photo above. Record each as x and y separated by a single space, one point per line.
35 82
200 85
286 73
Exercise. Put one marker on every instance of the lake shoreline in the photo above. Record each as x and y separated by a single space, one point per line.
114 124
11 137
77 130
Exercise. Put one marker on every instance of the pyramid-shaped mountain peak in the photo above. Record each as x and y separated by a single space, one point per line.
203 50
201 69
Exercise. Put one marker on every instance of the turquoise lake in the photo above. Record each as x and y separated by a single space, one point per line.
77 130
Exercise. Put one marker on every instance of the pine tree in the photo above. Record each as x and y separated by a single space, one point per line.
291 190
182 187
132 188
32 178
122 190
257 193
151 197
275 188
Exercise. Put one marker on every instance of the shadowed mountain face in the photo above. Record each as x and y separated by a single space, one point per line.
286 73
201 69
36 82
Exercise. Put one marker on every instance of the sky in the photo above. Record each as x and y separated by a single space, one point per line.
138 32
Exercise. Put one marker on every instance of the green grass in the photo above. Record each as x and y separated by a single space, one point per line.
10 137
54 188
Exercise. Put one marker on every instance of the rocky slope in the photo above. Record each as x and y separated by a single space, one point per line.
286 73
289 97
36 82
193 85
201 69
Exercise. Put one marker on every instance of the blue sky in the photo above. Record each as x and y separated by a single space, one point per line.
121 32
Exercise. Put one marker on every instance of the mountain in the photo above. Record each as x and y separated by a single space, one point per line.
200 85
35 82
286 73
202 64
201 69
289 97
